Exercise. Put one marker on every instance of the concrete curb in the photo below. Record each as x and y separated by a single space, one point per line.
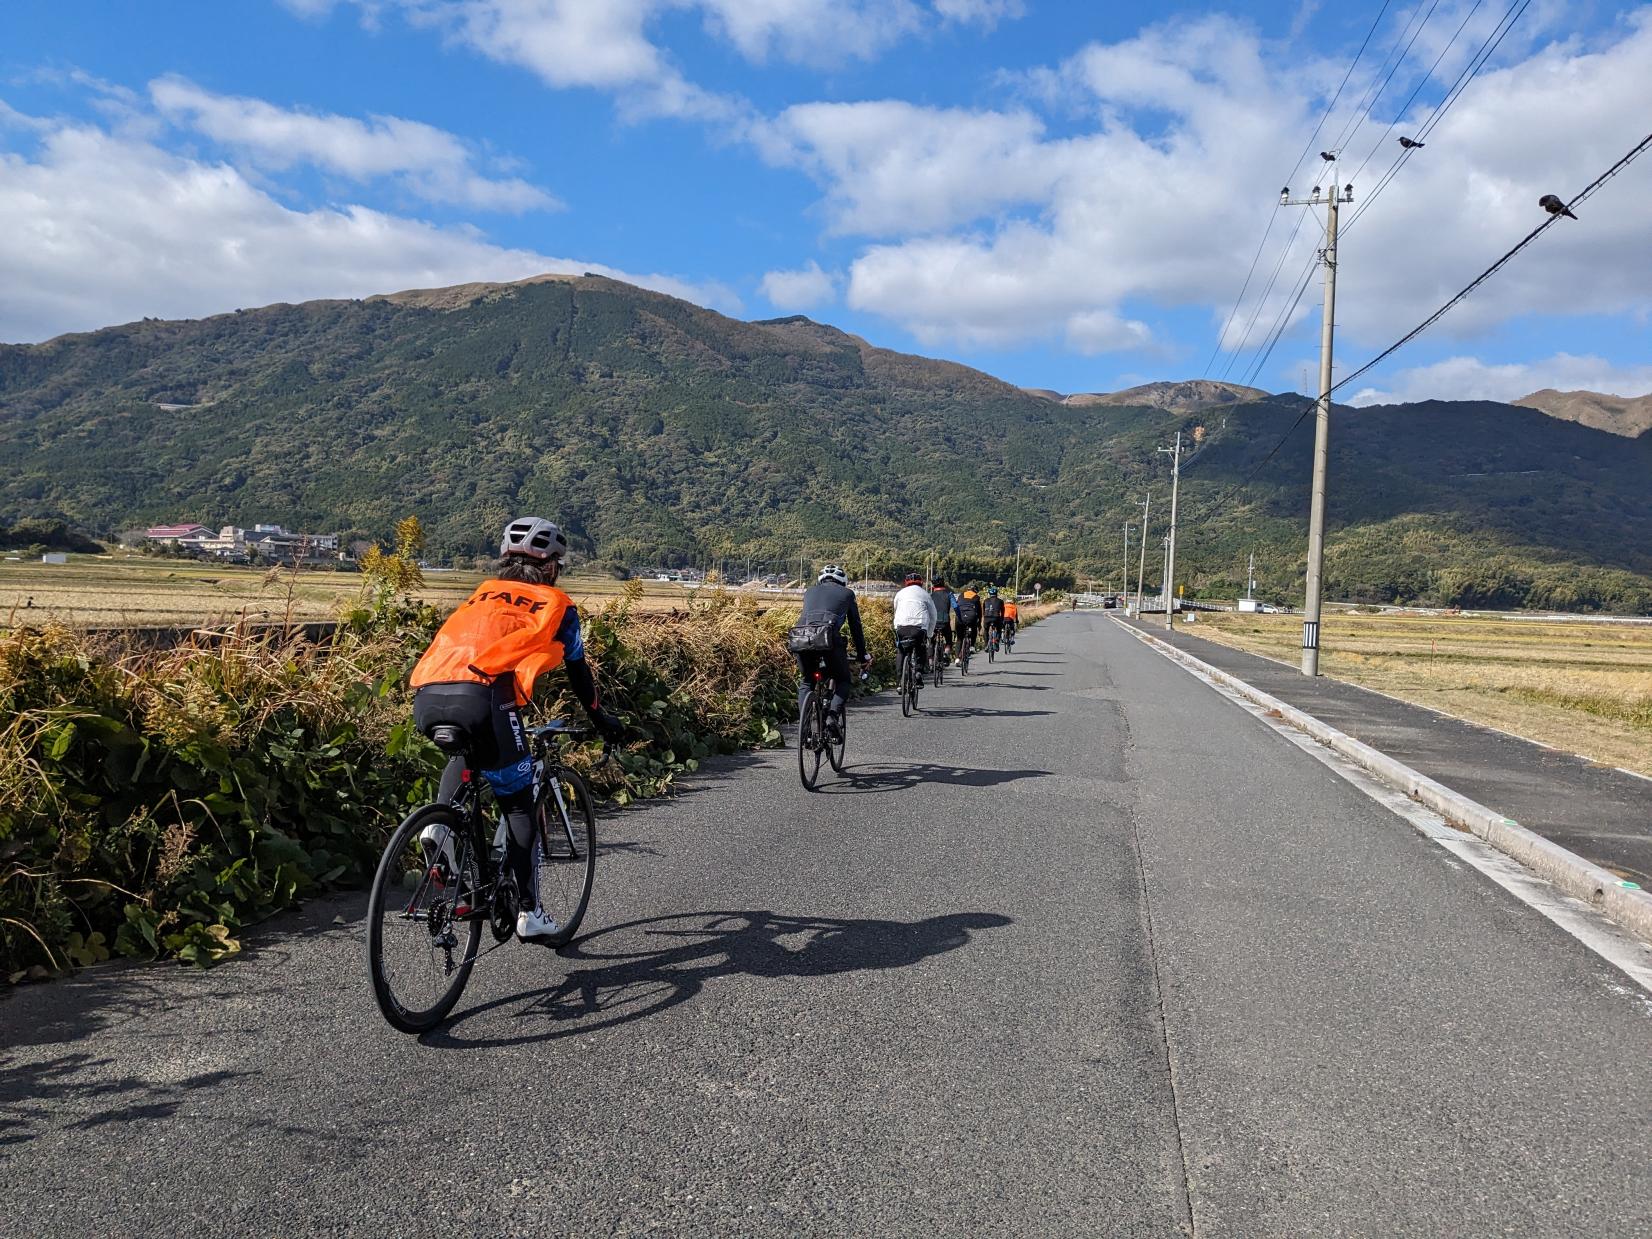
1626 904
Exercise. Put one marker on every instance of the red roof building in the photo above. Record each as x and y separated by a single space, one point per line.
171 533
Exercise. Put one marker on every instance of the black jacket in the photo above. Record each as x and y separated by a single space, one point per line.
829 602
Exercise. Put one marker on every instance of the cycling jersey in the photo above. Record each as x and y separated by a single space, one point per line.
915 609
993 609
946 603
504 626
1011 611
967 607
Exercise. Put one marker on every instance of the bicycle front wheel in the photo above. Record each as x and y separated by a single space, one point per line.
423 929
565 853
811 740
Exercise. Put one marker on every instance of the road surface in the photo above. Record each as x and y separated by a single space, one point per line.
1086 950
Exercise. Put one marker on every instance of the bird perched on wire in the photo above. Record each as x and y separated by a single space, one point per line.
1327 156
1411 144
1554 206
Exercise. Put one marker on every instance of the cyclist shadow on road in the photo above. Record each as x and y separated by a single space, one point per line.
674 956
867 779
979 712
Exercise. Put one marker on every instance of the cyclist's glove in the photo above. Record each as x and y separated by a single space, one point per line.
608 727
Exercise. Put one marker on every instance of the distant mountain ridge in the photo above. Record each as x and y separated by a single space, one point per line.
1182 396
656 430
1629 416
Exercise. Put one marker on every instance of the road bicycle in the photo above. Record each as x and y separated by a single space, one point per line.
813 740
992 643
937 658
964 642
907 679
443 878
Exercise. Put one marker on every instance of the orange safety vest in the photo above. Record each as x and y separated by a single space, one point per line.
503 626
1011 610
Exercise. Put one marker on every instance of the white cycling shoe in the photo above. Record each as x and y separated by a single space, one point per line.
535 924
437 841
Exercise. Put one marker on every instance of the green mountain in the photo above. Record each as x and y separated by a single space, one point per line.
655 429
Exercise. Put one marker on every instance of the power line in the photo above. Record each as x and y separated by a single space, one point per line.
1499 264
1217 506
1417 90
1263 299
1371 100
1478 61
1261 245
1237 301
1283 323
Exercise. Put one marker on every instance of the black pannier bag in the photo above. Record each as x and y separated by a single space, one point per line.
815 638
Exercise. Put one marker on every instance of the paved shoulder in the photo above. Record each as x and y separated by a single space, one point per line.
1603 814
1368 1037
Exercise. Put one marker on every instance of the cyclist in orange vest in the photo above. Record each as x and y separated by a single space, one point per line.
480 670
1012 618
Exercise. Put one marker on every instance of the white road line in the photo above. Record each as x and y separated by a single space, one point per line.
1597 932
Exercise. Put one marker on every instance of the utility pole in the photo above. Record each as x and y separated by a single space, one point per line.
1175 455
1250 577
1164 581
1016 588
1322 415
1127 528
1141 564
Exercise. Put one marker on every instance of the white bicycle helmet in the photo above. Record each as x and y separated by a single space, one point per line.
534 537
831 572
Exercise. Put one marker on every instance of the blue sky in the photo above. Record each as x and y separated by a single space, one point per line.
1067 195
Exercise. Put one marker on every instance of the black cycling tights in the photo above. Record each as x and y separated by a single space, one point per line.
499 744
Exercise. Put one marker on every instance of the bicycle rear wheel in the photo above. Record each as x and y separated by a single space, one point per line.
909 694
936 655
422 928
811 739
992 649
565 853
834 749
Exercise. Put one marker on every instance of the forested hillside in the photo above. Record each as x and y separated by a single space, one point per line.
657 429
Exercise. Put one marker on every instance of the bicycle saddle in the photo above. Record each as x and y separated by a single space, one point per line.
450 738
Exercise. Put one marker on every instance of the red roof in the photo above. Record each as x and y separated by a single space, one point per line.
175 531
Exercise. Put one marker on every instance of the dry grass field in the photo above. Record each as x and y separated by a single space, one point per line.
135 591
1582 686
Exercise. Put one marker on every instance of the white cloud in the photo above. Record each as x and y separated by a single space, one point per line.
608 44
430 162
891 167
99 227
812 31
984 228
1102 331
803 289
986 13
1469 378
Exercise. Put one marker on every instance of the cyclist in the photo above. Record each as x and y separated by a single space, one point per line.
830 601
479 672
914 620
992 613
967 609
1012 620
945 607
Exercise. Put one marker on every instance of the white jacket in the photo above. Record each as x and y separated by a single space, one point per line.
913 609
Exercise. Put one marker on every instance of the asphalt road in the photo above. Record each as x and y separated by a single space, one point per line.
1086 950
1601 813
